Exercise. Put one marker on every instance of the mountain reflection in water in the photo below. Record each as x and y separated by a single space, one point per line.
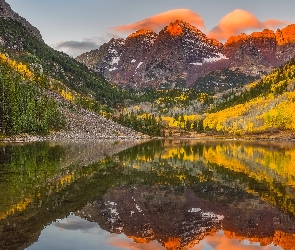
172 194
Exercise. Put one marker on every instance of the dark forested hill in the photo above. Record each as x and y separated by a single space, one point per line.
23 46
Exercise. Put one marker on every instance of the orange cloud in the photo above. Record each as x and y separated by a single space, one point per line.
157 22
123 242
240 21
221 242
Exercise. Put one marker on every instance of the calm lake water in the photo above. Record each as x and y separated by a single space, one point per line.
172 194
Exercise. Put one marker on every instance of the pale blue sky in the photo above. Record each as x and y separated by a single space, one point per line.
89 21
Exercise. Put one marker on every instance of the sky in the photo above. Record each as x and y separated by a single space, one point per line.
77 233
77 26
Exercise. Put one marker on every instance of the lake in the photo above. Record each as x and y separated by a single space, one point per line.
161 194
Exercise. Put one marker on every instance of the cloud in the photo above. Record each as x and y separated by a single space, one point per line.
76 45
127 243
75 223
75 48
233 23
220 242
157 22
240 21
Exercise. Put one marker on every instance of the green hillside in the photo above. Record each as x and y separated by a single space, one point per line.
221 80
22 46
36 81
39 81
34 77
265 105
24 106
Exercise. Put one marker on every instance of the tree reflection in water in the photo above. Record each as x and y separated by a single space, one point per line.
169 194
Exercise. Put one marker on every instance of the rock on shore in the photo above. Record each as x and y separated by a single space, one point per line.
81 124
84 124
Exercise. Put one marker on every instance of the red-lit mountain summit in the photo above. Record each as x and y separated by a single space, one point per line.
180 54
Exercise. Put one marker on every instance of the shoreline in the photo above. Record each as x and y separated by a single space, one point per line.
26 138
284 136
266 136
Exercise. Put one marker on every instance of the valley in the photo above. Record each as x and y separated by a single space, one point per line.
164 133
174 83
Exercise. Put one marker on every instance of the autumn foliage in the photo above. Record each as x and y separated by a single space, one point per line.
264 106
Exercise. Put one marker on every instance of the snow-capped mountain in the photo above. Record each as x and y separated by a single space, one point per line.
261 51
149 59
178 47
180 54
180 220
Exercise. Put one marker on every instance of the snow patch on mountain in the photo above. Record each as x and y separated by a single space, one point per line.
197 63
215 59
112 69
194 210
214 217
115 60
139 65
114 215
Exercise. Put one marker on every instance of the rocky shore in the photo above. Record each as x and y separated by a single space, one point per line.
81 124
266 136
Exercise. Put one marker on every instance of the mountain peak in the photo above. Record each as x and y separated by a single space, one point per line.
286 35
182 28
175 28
181 23
142 32
265 34
181 53
236 39
7 13
281 37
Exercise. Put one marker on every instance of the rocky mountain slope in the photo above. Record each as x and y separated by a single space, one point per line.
7 13
40 74
264 50
179 222
148 59
181 54
83 124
